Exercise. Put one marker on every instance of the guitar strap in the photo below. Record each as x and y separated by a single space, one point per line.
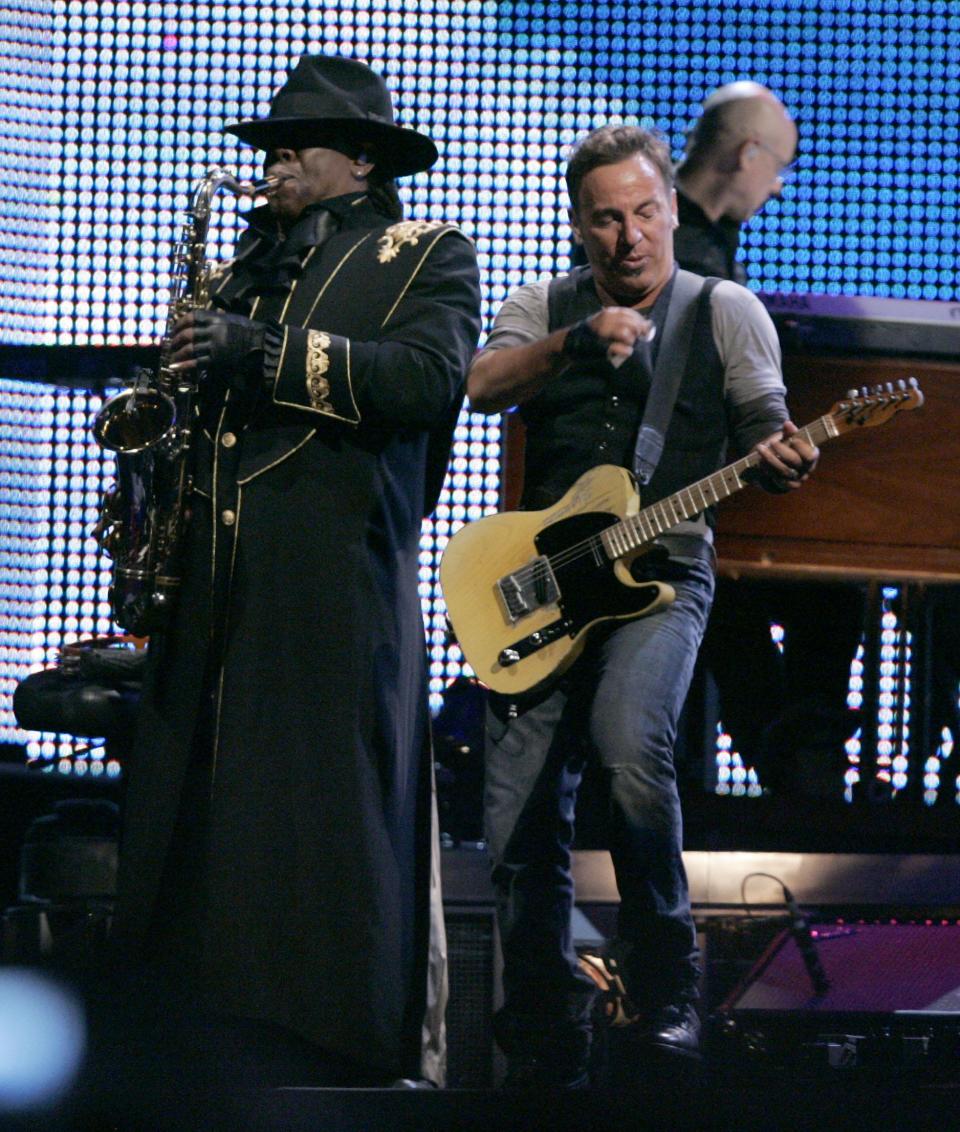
688 305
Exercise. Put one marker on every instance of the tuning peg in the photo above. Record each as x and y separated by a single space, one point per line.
901 384
851 393
864 392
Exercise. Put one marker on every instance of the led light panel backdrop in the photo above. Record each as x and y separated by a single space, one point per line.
111 111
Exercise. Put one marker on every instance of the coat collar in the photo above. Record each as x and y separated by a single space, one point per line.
269 260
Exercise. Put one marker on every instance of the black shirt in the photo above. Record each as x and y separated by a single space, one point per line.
705 246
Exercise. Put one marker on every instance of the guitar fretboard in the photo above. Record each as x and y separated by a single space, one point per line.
637 530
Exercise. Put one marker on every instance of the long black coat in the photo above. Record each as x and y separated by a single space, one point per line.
277 818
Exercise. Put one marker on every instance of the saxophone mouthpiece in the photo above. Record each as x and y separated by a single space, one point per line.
265 186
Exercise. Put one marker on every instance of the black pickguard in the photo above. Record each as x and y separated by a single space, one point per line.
589 589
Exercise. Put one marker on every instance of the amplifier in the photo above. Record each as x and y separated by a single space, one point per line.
892 1003
473 956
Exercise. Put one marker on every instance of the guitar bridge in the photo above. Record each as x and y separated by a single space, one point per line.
528 588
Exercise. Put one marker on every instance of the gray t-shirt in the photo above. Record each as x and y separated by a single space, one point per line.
743 331
746 341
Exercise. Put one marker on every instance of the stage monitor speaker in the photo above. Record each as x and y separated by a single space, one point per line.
892 1000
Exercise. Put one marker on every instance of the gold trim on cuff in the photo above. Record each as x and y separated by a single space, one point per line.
318 362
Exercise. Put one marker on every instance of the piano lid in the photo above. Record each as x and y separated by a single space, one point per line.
814 323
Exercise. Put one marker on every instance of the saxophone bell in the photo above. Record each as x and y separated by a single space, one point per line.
134 420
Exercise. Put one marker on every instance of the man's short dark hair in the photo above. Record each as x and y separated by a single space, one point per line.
610 145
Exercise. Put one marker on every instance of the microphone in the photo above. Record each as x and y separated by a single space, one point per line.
800 930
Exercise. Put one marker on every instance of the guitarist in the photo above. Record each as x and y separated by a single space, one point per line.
575 355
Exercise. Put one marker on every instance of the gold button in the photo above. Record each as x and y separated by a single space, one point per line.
228 439
228 518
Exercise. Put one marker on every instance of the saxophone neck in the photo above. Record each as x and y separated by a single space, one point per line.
192 250
218 179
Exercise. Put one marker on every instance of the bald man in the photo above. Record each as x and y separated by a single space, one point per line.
734 161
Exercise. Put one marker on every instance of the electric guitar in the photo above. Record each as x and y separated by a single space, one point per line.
524 588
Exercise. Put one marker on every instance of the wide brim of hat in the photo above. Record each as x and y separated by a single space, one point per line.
400 150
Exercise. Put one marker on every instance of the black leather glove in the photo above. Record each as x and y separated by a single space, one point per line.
582 343
227 348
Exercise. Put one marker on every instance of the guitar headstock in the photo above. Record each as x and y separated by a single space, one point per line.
874 406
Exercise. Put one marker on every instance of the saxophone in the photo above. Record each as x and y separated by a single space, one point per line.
150 426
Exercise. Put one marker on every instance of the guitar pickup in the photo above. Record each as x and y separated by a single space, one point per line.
528 588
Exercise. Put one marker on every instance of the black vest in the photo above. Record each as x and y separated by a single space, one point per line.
591 413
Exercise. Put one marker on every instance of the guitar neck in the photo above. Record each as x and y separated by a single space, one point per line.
637 530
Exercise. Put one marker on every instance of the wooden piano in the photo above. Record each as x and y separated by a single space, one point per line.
884 504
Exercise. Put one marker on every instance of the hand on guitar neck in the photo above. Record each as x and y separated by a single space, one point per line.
786 460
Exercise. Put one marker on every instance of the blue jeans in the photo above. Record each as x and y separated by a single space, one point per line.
619 704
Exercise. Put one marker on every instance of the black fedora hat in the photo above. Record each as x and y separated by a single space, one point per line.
330 100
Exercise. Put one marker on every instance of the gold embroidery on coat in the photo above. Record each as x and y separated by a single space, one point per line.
406 232
318 362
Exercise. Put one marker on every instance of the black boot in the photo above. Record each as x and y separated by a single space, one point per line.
671 1030
661 1018
549 1050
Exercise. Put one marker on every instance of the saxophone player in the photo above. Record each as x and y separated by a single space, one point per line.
277 836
